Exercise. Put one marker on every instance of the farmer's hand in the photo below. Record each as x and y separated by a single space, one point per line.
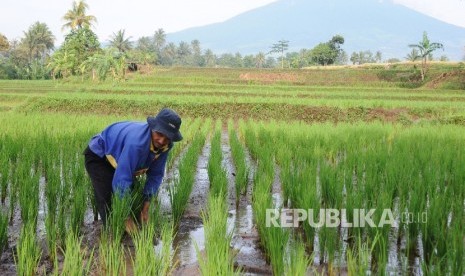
144 214
130 226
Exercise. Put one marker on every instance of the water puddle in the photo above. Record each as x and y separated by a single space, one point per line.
190 232
245 242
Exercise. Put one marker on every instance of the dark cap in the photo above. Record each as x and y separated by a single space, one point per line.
168 123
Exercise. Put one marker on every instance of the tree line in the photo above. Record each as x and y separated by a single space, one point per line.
34 56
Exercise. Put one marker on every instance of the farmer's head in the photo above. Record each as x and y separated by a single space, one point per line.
165 127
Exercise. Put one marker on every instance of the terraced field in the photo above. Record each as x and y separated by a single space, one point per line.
255 141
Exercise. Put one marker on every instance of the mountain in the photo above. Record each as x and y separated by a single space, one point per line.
374 25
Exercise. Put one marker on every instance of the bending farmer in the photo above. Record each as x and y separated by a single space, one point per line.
127 149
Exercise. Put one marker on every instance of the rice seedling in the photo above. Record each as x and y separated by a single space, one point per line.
456 248
165 256
301 184
216 172
52 190
111 256
238 155
79 189
181 189
28 251
77 261
51 236
4 174
3 230
370 166
218 258
120 211
380 248
297 260
28 191
78 208
61 223
145 259
358 260
273 239
13 198
148 259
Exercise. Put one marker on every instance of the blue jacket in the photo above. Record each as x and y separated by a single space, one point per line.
129 149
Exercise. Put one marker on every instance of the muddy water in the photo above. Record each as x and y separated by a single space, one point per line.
276 188
245 242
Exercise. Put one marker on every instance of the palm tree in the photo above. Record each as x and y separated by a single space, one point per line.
413 55
159 39
280 47
260 60
145 44
38 41
184 52
197 53
168 54
378 56
120 42
77 18
210 58
425 49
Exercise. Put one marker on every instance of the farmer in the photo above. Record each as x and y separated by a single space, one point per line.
124 150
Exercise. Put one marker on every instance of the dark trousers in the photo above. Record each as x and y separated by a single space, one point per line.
101 175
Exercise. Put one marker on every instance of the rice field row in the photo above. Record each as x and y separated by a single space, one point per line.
416 173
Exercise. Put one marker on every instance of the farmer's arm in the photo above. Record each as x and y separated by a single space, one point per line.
154 178
123 178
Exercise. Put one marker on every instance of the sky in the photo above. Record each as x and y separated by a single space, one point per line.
143 17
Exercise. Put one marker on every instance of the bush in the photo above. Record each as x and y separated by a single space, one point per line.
404 78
